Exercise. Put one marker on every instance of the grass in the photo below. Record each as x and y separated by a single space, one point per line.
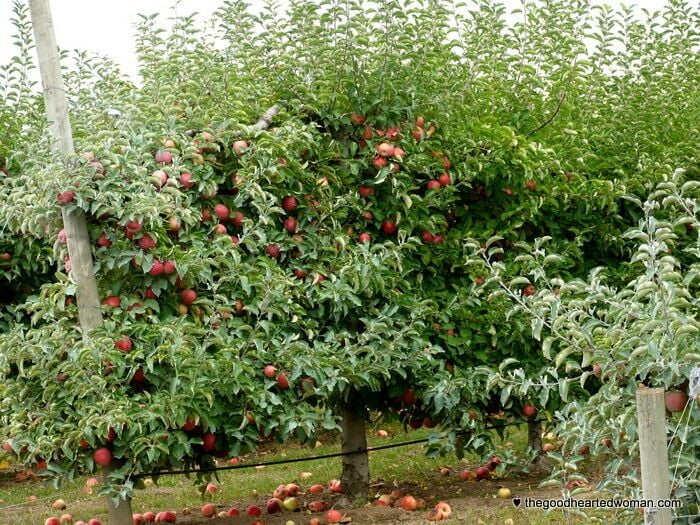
407 467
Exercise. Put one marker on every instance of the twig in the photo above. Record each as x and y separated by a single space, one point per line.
551 118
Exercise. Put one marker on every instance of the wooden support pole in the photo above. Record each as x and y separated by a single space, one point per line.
74 222
355 477
651 418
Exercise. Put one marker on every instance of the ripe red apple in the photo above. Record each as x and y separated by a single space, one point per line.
123 344
102 456
253 510
467 475
357 119
239 146
292 489
169 267
133 227
482 473
149 517
529 290
282 381
335 486
159 178
103 241
443 508
334 516
420 122
316 506
444 179
367 215
233 512
315 489
289 204
399 153
272 250
597 370
364 238
5 256
188 297
146 242
186 180
446 164
164 157
137 519
393 134
426 236
190 424
290 224
273 505
209 441
408 502
384 149
531 184
220 229
547 447
389 227
206 214
409 397
52 521
113 301
299 273
676 401
379 162
433 184
418 134
65 197
211 488
208 510
95 521
221 211
529 411
168 516
365 191
156 269
270 371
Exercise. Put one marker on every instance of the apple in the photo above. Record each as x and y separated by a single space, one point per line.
427 237
335 486
209 441
529 411
169 267
159 178
52 521
357 119
272 250
206 214
466 475
493 463
382 433
211 488
364 238
282 381
156 269
408 502
5 256
389 227
418 134
444 179
299 273
146 242
220 229
446 164
584 450
531 184
393 134
384 149
676 401
65 197
529 290
233 512
547 447
164 157
237 219
188 297
316 489
291 504
597 370
482 473
420 122
289 204
102 456
334 516
399 153
66 519
365 191
149 517
315 521
123 344
221 211
186 180
270 371
433 184
239 147
292 489
379 162
59 504
103 241
508 192
253 510
167 516
208 510
317 506
444 508
290 224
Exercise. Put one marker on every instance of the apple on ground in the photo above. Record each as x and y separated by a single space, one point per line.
208 510
334 516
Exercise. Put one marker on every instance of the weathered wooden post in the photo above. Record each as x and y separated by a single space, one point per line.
651 418
74 221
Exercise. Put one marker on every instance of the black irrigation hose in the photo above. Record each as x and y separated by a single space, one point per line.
361 450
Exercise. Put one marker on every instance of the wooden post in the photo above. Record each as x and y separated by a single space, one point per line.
355 477
74 222
651 418
534 438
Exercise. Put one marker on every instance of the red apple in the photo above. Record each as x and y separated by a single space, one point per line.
102 456
65 197
446 164
159 178
149 517
164 157
408 502
290 224
444 179
282 381
289 204
433 184
221 211
418 134
482 473
253 510
389 227
357 119
529 290
239 146
529 411
123 344
103 241
676 401
273 505
156 269
272 250
113 301
334 516
209 441
531 184
186 180
384 149
233 512
208 510
146 242
364 238
316 506
188 297
444 509
365 191
426 236
52 521
315 489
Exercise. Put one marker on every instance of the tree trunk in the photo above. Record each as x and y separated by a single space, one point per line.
355 477
120 513
74 222
534 437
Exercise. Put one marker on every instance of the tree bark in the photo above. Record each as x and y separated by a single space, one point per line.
534 437
355 476
74 222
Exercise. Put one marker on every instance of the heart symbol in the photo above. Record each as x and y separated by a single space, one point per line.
516 502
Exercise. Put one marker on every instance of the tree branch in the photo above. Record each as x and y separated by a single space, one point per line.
550 119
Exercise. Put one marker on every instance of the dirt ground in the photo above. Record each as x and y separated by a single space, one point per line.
467 499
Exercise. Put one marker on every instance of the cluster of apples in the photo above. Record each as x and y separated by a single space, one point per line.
67 519
396 499
482 472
